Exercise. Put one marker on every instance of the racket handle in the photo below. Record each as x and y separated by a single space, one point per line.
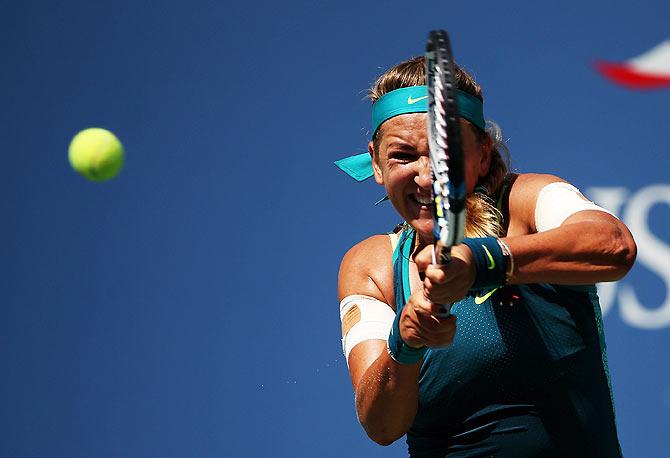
445 311
442 256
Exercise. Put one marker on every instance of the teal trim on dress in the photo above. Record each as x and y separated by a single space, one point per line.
401 284
406 253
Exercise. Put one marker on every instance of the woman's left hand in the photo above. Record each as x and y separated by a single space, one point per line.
448 283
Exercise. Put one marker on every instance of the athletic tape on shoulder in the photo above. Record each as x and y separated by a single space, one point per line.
363 318
556 202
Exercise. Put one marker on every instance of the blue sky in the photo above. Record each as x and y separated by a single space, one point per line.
188 307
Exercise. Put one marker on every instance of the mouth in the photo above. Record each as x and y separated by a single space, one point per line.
423 200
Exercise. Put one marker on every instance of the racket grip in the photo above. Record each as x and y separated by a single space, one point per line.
442 256
445 311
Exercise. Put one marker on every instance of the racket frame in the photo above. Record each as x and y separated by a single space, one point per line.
446 151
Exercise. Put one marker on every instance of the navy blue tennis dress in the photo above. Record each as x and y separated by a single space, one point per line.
526 375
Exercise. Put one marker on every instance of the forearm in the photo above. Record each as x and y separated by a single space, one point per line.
583 252
387 397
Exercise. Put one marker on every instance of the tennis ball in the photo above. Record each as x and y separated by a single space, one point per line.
96 154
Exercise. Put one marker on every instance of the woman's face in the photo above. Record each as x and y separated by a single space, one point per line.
402 166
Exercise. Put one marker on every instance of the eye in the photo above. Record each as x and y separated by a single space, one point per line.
403 156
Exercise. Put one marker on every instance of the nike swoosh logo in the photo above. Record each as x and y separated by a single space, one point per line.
481 299
492 263
411 101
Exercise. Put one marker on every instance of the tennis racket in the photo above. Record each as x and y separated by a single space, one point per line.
446 153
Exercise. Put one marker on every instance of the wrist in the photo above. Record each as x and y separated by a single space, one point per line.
491 264
399 350
509 259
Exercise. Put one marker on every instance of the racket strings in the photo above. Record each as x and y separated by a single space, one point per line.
443 119
440 164
439 123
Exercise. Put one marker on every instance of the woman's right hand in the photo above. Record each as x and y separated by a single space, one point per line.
421 325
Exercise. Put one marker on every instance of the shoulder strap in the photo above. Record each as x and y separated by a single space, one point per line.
499 197
394 238
401 254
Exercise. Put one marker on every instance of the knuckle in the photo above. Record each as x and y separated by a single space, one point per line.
436 309
440 276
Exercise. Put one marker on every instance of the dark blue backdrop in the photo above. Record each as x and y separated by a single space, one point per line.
188 308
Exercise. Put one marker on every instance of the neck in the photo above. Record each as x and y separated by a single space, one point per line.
421 241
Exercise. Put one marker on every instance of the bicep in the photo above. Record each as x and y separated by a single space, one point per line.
572 239
540 203
559 203
362 356
365 313
366 323
615 237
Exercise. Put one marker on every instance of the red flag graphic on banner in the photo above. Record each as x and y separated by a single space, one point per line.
650 70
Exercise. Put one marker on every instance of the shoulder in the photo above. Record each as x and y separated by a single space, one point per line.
367 269
523 198
530 184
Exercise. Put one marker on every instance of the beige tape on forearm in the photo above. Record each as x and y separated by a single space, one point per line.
558 201
364 318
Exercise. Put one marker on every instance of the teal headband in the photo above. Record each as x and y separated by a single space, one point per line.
413 99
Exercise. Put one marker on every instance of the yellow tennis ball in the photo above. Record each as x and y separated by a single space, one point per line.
96 154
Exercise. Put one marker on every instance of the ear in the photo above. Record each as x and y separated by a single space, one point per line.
485 159
375 165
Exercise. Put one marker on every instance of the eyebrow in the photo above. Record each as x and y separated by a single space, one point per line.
400 145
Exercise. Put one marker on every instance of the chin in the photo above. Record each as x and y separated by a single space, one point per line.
424 228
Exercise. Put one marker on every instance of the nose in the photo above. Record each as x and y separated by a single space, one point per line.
424 178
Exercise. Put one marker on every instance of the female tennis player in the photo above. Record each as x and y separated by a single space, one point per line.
519 368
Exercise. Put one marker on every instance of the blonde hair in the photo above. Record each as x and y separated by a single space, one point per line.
483 218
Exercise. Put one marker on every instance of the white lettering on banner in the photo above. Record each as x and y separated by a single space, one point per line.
652 252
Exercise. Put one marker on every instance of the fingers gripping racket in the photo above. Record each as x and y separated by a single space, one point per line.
446 153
